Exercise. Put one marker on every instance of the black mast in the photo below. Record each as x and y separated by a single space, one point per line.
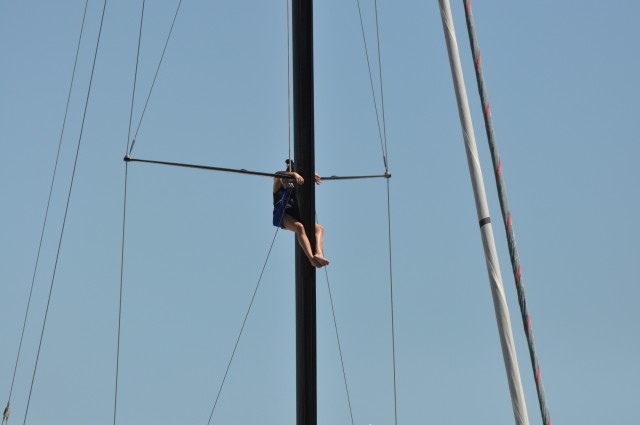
304 158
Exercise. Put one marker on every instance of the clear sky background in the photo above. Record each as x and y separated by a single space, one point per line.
562 81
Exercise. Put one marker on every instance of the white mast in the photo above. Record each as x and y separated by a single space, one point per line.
493 268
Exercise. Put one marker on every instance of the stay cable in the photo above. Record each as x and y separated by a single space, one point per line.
66 211
46 214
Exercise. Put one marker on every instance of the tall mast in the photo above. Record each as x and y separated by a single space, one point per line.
506 213
304 158
495 279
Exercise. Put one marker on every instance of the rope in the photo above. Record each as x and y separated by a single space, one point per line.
46 214
506 213
66 211
155 76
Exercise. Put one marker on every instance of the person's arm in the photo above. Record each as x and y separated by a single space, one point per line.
277 181
298 177
276 184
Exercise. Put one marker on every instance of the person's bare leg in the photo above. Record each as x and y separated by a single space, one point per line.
319 257
298 228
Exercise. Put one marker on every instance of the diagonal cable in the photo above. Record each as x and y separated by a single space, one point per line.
264 266
393 332
124 221
46 214
335 325
66 211
135 78
244 322
373 92
384 121
155 77
386 164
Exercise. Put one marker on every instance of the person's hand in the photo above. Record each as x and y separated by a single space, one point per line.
299 179
318 180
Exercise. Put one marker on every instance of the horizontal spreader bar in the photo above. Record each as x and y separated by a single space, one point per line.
377 176
243 171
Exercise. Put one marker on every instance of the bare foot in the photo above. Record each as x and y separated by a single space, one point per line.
321 260
315 263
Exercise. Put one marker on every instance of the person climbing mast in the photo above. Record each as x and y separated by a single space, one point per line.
287 216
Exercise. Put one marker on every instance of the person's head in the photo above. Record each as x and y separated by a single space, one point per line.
290 166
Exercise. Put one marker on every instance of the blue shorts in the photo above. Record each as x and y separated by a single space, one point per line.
283 204
279 211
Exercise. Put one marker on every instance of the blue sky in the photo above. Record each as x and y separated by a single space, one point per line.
562 81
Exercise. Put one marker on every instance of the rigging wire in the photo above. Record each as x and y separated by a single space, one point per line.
384 121
335 325
124 221
383 143
135 77
386 164
246 316
244 322
393 332
288 80
373 92
66 211
175 16
46 214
